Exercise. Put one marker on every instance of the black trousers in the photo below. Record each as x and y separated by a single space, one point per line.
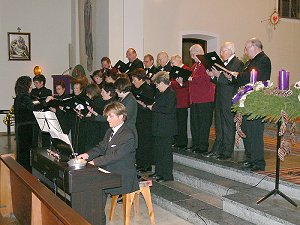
201 120
163 157
254 141
181 116
144 152
26 139
225 131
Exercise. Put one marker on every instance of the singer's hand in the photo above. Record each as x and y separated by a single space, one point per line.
52 109
83 156
179 80
228 76
92 163
235 74
91 110
149 107
141 103
49 98
36 102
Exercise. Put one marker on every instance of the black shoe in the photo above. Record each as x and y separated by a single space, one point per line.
257 168
143 170
189 149
139 168
181 146
159 179
223 157
214 155
247 165
196 150
153 175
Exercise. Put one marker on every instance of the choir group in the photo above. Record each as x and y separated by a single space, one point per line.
157 99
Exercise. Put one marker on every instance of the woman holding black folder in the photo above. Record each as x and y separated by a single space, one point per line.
164 126
123 87
145 96
61 114
181 89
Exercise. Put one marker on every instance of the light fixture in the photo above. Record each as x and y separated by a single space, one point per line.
37 70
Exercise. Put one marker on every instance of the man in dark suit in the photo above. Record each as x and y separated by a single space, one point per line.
163 62
224 124
254 129
116 152
134 62
149 67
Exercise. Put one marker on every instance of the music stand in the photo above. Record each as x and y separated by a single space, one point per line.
276 190
48 122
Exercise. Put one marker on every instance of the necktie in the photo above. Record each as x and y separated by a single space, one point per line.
111 135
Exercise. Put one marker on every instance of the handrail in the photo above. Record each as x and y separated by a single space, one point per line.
62 211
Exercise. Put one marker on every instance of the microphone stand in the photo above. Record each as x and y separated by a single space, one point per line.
67 70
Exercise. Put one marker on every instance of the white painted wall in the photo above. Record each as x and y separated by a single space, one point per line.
165 22
49 23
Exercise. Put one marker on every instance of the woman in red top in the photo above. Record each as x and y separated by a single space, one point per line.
183 103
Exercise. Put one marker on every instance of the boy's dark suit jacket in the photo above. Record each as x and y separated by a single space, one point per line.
118 156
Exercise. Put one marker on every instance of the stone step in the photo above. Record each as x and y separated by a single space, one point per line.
206 181
273 211
187 203
229 170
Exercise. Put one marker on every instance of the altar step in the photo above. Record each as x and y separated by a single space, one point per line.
221 193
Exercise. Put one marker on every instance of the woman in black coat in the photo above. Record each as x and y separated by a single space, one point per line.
164 126
26 125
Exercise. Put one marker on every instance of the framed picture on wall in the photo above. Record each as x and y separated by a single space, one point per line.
19 46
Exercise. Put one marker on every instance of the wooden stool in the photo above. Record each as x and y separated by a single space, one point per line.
129 198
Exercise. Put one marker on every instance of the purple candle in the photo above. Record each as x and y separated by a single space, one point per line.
283 80
253 76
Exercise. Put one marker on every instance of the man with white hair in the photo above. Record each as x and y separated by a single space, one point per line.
224 125
163 61
254 129
202 94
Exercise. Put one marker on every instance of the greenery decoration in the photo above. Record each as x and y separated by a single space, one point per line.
267 102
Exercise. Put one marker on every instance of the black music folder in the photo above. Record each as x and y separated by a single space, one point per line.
180 72
211 59
76 103
121 66
144 98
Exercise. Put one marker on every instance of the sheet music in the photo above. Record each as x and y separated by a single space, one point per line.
47 121
60 136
